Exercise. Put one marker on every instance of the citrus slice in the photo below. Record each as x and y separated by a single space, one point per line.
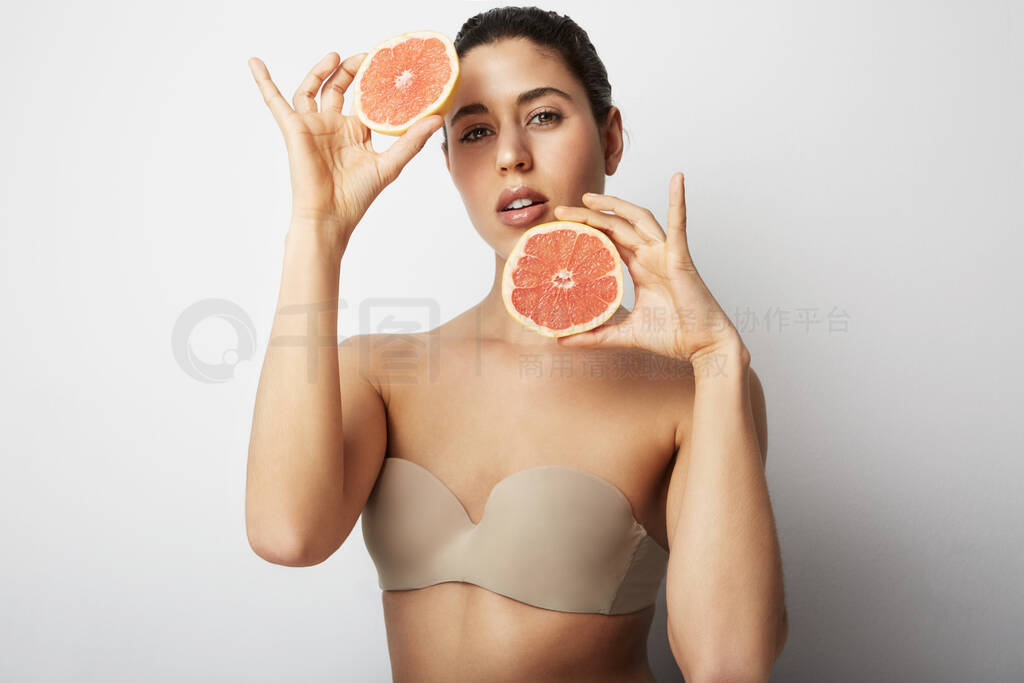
562 278
405 79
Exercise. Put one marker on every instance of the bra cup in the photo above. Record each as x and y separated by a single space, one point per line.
409 524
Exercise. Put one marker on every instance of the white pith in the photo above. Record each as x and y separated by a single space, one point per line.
403 79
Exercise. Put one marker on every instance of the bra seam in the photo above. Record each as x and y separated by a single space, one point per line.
629 565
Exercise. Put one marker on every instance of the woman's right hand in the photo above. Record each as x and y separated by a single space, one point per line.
335 173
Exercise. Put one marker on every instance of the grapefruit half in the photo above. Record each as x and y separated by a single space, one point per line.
405 79
562 278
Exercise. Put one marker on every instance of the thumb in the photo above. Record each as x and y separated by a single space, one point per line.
394 159
594 338
604 336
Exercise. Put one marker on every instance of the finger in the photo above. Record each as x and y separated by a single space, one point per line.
271 95
678 245
619 229
304 97
642 219
332 97
677 215
394 158
605 336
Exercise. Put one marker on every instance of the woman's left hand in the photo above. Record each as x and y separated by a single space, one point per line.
675 314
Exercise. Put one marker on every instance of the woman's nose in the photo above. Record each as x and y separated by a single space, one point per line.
513 152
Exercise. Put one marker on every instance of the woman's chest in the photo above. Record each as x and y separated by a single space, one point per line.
472 424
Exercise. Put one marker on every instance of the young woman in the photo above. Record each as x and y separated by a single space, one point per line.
521 520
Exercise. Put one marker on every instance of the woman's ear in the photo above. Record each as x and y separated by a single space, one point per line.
612 140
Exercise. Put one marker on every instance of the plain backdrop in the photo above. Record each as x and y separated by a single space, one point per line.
853 185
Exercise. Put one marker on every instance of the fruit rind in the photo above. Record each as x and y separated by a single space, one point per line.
507 284
440 106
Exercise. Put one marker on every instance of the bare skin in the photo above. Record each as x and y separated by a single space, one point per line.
476 420
499 399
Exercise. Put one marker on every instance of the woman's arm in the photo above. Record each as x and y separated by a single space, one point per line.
299 464
724 591
295 471
727 618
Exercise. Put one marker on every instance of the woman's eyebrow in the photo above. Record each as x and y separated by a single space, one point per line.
524 97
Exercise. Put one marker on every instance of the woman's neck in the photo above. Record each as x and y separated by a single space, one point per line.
495 323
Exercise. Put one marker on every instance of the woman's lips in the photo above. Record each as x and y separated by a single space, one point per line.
517 218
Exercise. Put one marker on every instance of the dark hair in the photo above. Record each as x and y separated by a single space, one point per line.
550 31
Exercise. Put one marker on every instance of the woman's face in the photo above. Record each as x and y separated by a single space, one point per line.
549 143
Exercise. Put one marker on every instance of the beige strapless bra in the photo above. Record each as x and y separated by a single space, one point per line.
555 537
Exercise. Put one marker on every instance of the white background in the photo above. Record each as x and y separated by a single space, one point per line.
855 158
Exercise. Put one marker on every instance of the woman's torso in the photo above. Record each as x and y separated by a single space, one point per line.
472 412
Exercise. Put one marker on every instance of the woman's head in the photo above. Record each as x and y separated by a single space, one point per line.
561 139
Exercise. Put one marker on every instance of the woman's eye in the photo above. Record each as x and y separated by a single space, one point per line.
553 114
470 136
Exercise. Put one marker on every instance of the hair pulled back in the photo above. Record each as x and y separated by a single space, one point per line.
550 31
